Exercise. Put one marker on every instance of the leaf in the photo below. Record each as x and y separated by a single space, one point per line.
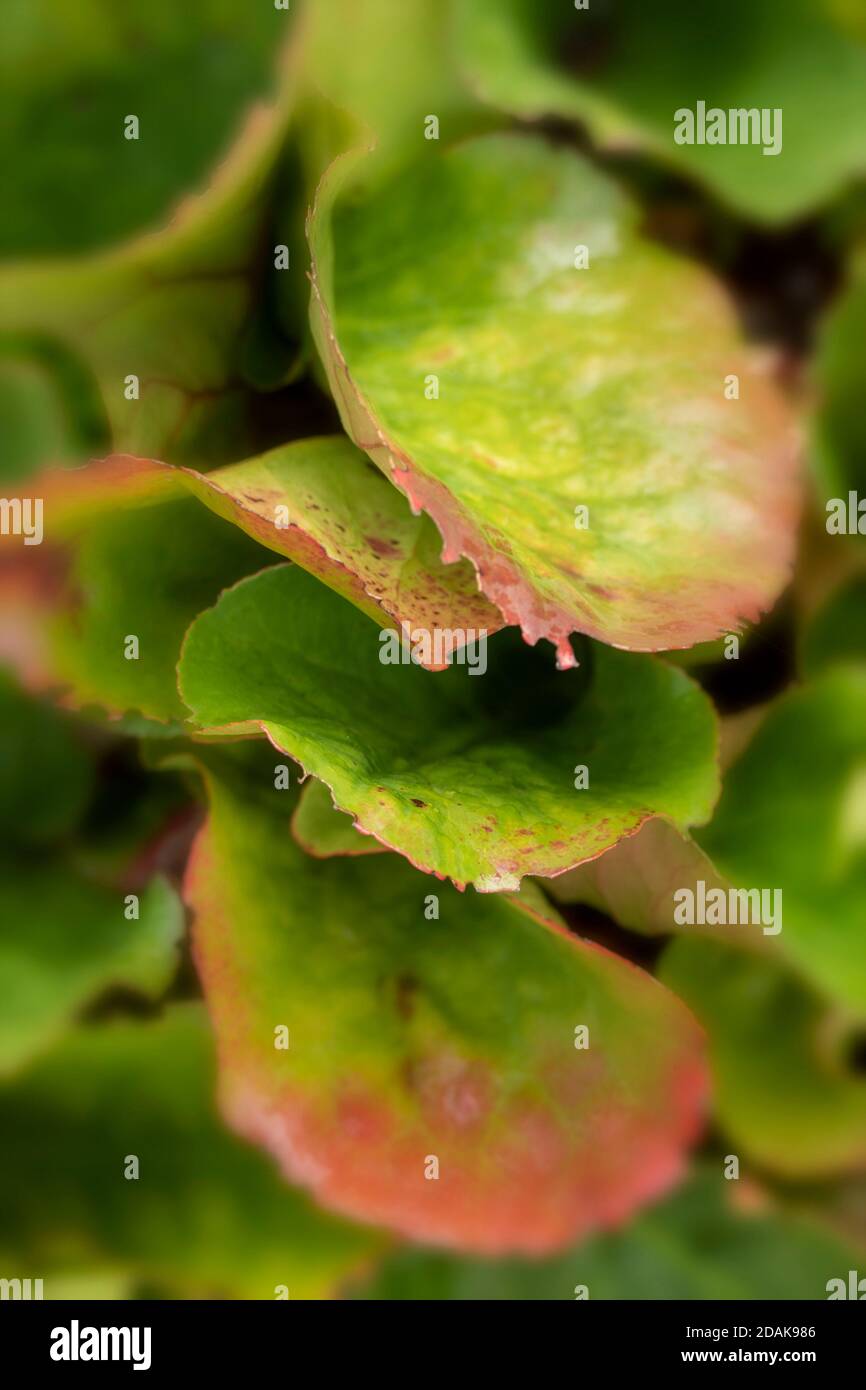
207 1216
789 821
63 941
786 1091
72 69
635 883
36 420
694 1245
553 394
469 776
318 502
142 574
840 433
397 1055
837 633
176 309
627 73
791 818
408 71
322 831
46 776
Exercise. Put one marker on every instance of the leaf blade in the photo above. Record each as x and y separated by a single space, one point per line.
625 432
414 1061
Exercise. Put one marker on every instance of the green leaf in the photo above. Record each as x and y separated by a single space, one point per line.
840 376
322 831
786 1091
319 502
409 68
432 1027
46 776
176 308
207 1216
694 1245
625 74
792 817
35 419
460 772
559 388
72 70
837 633
142 574
789 819
63 941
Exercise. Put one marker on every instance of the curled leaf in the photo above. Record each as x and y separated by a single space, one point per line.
318 502
565 424
474 774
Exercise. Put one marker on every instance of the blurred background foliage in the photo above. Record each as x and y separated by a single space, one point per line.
104 1047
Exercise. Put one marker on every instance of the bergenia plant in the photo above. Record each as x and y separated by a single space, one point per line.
433 778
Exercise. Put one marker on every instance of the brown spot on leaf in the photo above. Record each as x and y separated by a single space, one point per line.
380 547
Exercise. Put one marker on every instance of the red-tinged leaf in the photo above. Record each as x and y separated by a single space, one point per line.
417 1035
503 387
321 504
